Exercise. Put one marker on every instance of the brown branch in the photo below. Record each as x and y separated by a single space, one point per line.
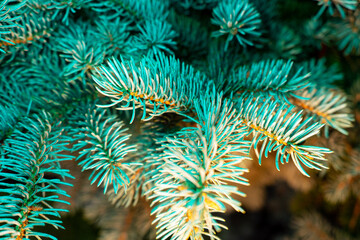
355 216
127 225
26 40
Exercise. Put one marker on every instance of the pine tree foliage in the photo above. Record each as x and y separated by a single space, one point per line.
321 74
155 37
313 226
31 177
60 10
113 35
7 20
195 173
283 132
328 108
286 44
347 34
237 19
314 33
8 119
339 5
15 95
344 183
136 11
155 86
193 176
66 7
271 78
141 96
34 28
102 143
80 54
191 37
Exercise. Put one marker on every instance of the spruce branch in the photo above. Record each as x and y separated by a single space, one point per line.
14 92
8 20
188 160
286 44
157 87
340 5
326 107
32 27
237 19
313 226
155 37
220 121
8 118
81 53
200 171
271 78
65 8
321 75
113 35
279 130
101 140
194 183
31 160
315 33
136 11
152 133
192 37
346 33
344 183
